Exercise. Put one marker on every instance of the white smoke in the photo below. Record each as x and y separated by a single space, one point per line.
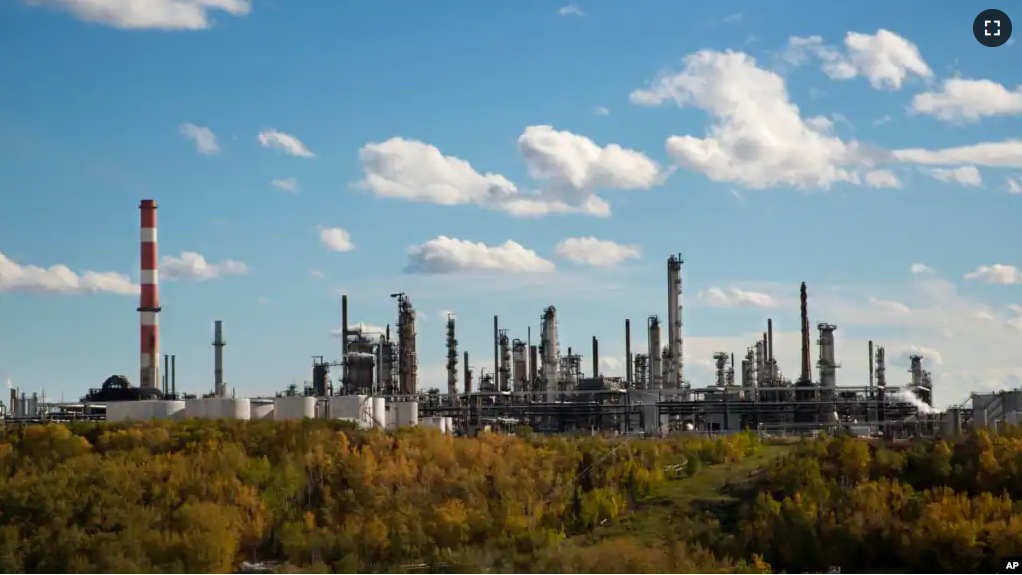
909 397
9 384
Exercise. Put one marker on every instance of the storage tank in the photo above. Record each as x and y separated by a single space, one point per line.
167 409
294 407
235 408
405 413
126 410
450 425
351 407
380 412
261 409
195 408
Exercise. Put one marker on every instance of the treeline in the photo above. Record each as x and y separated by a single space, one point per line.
202 496
919 507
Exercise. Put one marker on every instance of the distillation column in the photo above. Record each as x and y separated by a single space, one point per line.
675 344
452 361
149 300
407 364
518 361
504 377
548 349
828 368
656 379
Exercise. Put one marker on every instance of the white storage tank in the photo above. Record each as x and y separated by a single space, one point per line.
294 407
358 407
235 408
261 409
123 411
405 413
449 425
195 408
380 412
167 409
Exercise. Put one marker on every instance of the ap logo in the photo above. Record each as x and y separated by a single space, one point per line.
1011 565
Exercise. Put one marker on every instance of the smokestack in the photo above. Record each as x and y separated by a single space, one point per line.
871 380
806 376
219 388
468 375
13 407
596 357
496 349
628 352
770 349
344 339
173 375
166 374
534 367
149 301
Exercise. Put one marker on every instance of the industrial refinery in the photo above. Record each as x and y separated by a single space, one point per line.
543 385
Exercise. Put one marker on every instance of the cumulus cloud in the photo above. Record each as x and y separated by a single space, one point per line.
964 175
960 99
882 179
286 143
996 274
571 168
15 277
289 185
149 14
595 252
884 58
902 355
445 255
571 10
734 297
191 266
204 138
611 366
318 274
336 239
758 137
1005 154
920 269
889 305
601 111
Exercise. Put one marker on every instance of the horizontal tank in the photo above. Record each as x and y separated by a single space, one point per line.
294 407
261 409
350 407
380 412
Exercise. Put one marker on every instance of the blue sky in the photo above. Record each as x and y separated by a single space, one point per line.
837 145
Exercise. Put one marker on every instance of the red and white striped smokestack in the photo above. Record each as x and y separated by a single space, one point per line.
149 303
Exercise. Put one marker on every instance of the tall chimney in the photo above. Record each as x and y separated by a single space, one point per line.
596 357
468 374
166 374
344 339
806 376
219 388
628 352
872 382
534 367
173 375
770 350
149 301
496 349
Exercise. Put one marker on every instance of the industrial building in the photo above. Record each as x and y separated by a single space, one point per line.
543 386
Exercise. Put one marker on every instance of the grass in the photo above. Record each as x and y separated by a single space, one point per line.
688 505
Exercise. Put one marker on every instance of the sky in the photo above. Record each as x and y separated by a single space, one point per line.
499 157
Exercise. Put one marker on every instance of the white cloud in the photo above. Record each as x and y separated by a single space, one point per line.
736 17
882 179
361 327
758 138
964 175
996 274
969 100
336 239
882 120
289 185
192 266
884 58
921 269
889 305
149 14
449 255
595 252
572 166
1014 185
611 366
1005 154
204 138
60 279
901 355
571 10
286 143
601 111
734 297
318 274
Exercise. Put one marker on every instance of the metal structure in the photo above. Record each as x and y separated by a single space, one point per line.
149 300
408 362
219 386
674 365
452 359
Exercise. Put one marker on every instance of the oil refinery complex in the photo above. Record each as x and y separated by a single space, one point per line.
542 386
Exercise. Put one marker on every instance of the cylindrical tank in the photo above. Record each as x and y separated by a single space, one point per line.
294 407
380 412
358 407
261 409
235 408
195 408
166 409
405 413
449 425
